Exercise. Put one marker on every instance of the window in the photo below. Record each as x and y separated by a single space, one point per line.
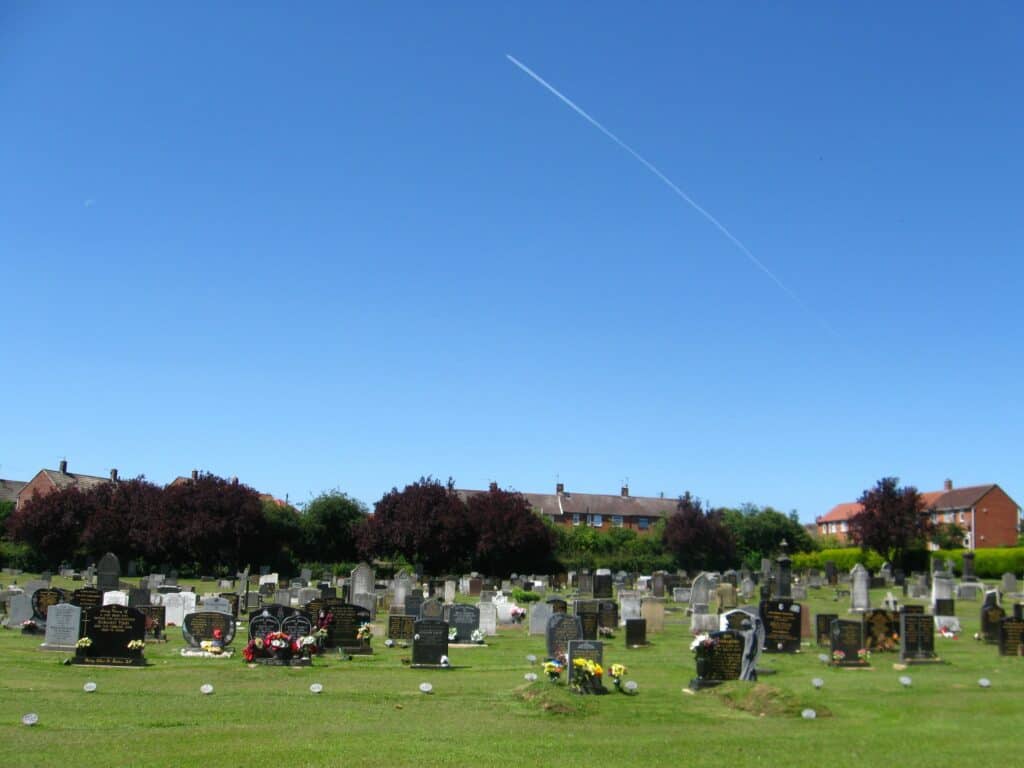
641 523
597 521
575 519
617 521
844 528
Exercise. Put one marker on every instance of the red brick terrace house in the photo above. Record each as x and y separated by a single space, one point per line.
596 510
988 515
50 480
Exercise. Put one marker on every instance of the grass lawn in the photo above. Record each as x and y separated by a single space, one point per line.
484 713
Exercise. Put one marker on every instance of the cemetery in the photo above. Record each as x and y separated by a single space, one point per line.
716 681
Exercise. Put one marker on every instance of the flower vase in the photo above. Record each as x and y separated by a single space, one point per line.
703 666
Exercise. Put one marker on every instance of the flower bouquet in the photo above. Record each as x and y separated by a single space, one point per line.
553 669
617 671
477 636
586 676
29 627
453 634
517 614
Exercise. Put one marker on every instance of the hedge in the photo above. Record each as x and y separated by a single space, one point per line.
844 559
988 563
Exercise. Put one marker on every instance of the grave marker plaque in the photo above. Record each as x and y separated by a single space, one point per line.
43 599
156 620
823 628
584 649
87 597
881 630
722 661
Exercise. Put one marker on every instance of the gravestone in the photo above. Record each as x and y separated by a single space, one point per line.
488 619
629 607
831 573
108 573
413 603
138 597
607 614
279 618
539 615
87 597
560 630
115 597
799 592
681 594
847 643
449 591
586 610
658 583
782 625
345 619
747 589
636 633
475 587
110 629
652 611
19 610
200 626
917 638
62 624
558 605
156 620
362 580
602 584
700 592
945 607
1011 637
881 630
942 589
1009 584
584 649
233 602
586 584
722 661
991 616
967 591
432 608
429 643
860 600
465 619
367 601
400 627
823 628
218 604
43 600
968 567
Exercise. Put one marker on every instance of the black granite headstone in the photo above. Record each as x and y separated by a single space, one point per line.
847 643
108 573
917 637
429 642
781 619
111 629
562 628
823 628
87 597
636 632
400 627
465 619
200 626
1011 637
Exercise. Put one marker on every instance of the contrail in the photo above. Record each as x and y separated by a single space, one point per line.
665 179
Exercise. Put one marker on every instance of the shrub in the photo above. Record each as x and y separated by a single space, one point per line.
844 559
521 596
988 563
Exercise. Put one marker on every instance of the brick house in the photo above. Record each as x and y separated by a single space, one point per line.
9 489
50 480
987 514
596 510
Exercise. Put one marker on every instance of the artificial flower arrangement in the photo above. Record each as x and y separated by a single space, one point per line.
477 636
453 634
586 676
136 645
216 645
553 669
517 613
84 642
703 643
365 632
617 671
274 645
606 632
29 627
947 632
838 656
863 654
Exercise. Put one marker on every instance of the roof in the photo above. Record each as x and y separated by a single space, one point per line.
557 504
962 498
67 479
9 489
958 498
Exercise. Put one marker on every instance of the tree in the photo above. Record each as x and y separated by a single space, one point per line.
510 537
697 537
892 520
331 528
757 532
426 523
948 536
50 524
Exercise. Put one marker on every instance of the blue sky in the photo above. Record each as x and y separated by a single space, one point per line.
345 245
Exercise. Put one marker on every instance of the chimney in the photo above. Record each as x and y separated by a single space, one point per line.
195 474
63 466
559 488
113 475
948 485
625 490
494 487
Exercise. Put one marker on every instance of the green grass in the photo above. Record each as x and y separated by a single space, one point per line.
371 712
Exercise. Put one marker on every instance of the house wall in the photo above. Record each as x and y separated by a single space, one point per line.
40 484
996 518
